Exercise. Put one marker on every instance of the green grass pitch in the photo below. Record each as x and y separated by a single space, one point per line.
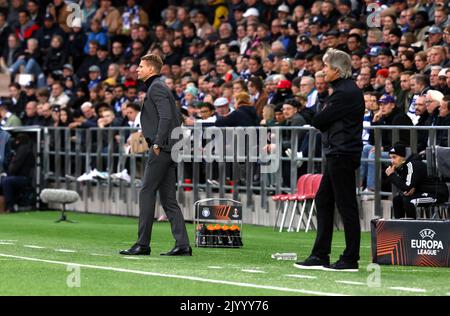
37 258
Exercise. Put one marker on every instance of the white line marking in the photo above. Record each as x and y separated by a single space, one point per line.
131 258
183 277
6 243
33 247
215 267
99 255
350 282
7 240
252 271
300 276
65 250
407 289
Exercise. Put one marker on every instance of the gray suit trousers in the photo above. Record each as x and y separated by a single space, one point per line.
160 176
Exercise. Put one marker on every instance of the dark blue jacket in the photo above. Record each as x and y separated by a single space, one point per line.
243 116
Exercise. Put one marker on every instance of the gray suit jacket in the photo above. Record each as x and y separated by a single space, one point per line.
159 115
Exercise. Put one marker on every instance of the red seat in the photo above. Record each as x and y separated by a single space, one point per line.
315 183
307 188
277 197
286 198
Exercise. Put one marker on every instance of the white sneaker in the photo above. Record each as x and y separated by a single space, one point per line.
124 176
85 177
368 195
101 175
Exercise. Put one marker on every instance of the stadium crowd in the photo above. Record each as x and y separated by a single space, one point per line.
228 63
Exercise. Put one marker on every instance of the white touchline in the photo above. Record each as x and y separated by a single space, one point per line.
183 277
65 250
6 243
300 276
99 255
131 258
408 289
350 282
214 267
33 247
252 271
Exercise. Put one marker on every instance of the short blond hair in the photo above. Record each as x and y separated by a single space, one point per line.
153 60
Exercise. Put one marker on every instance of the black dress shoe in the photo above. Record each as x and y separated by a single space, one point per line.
136 250
177 251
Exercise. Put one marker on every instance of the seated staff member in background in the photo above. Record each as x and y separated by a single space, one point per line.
411 178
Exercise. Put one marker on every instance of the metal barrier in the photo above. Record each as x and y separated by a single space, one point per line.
67 154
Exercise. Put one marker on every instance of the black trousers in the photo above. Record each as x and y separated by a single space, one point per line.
160 176
338 186
406 205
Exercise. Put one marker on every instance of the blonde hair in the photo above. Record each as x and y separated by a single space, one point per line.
242 99
153 60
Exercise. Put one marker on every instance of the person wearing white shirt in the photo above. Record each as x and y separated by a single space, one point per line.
307 88
58 96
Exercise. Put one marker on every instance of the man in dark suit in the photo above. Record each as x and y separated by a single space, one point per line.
159 117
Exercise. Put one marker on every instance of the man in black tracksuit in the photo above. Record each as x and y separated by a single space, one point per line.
411 178
341 124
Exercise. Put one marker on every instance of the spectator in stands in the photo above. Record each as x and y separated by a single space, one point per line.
389 115
443 120
433 99
8 119
10 53
45 34
244 115
89 60
56 57
18 99
258 94
30 60
133 113
222 107
416 187
372 107
133 14
27 27
5 30
31 118
94 77
423 119
97 34
58 96
88 119
308 89
206 112
18 176
110 17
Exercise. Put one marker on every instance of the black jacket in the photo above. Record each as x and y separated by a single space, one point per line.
243 116
55 59
341 120
422 135
413 174
22 162
442 135
159 115
396 118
